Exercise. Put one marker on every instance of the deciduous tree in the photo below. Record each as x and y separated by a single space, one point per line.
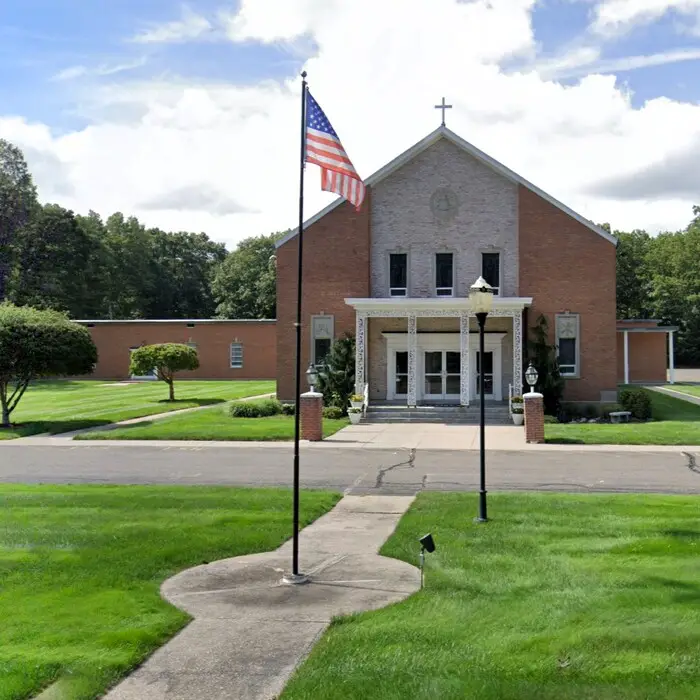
166 359
37 344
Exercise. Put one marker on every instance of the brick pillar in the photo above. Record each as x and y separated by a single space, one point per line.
534 417
312 416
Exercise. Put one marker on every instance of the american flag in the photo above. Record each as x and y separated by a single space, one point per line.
323 148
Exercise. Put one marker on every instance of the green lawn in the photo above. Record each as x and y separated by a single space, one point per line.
81 568
559 597
677 422
62 406
210 424
692 389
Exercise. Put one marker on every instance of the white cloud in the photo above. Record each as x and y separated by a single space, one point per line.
587 60
73 72
378 85
189 26
619 16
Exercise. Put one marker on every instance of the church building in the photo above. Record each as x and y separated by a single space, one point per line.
397 275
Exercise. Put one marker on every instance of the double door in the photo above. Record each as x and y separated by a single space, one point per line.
441 375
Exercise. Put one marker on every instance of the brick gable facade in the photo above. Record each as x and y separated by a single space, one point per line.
336 266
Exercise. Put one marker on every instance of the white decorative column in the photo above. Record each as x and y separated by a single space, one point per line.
626 337
671 360
412 360
360 351
464 358
518 352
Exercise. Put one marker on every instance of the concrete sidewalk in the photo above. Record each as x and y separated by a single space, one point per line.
676 394
429 436
250 630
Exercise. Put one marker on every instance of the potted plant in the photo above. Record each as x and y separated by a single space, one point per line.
354 414
357 401
517 410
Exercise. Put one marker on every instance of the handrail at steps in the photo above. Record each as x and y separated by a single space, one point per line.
365 400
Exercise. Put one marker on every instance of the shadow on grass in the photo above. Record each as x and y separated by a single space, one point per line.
565 441
196 402
53 384
18 430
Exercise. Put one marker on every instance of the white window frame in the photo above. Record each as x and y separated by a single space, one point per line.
153 373
496 290
398 289
435 287
329 335
559 321
238 365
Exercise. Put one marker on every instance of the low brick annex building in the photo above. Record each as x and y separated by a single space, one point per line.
227 349
397 275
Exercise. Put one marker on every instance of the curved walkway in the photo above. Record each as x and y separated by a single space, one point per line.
250 630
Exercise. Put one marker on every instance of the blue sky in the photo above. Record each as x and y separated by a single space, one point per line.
156 86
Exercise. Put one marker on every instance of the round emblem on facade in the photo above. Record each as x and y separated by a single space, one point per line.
444 204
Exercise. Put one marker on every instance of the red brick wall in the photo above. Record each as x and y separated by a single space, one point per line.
565 266
213 341
336 265
647 357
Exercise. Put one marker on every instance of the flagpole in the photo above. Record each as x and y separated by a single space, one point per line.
297 577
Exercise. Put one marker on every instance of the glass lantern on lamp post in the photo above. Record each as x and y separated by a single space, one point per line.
531 377
481 302
312 376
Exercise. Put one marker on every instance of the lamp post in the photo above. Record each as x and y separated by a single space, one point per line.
531 377
481 300
312 376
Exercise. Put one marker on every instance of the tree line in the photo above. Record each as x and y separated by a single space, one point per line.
89 267
659 277
95 268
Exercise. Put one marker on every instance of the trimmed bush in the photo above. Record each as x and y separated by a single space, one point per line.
333 412
637 402
255 409
288 409
551 419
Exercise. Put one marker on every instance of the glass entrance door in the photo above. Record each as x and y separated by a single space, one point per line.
488 374
441 372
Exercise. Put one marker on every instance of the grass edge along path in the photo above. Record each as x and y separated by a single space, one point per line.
677 422
81 569
211 424
558 597
62 406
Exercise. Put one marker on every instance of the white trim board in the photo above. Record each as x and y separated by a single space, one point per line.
440 133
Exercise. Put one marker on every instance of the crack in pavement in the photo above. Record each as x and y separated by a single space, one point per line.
409 464
692 462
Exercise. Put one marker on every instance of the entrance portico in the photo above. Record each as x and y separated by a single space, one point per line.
423 366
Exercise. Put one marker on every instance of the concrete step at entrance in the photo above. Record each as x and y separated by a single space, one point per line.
495 414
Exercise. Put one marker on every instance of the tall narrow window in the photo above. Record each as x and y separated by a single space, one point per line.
236 355
568 344
398 274
491 270
444 274
321 338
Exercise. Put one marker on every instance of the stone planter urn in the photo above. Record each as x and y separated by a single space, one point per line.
518 418
354 416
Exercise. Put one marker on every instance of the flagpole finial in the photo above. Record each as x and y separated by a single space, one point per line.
303 74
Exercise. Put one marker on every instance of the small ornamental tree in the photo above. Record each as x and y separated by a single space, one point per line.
38 344
543 356
336 380
165 359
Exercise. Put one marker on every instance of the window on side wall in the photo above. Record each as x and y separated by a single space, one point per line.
491 270
321 338
398 274
236 355
568 344
444 274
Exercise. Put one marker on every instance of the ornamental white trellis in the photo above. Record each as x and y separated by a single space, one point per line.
361 332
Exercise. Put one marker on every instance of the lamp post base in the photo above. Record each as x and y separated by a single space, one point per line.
295 579
481 520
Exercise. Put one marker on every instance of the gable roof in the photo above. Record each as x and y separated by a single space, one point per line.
442 132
